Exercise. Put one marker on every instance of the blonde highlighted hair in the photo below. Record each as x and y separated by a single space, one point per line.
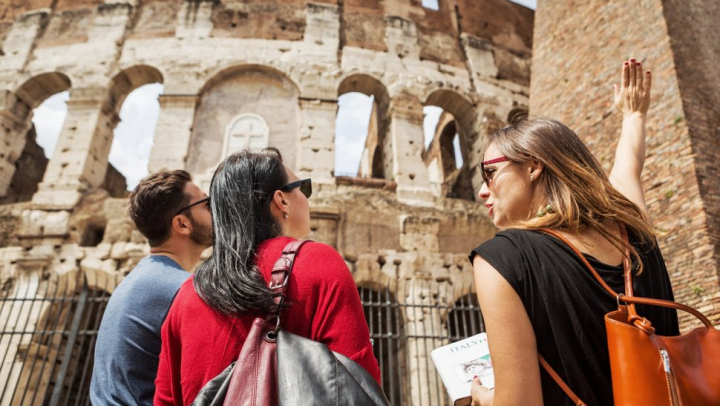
572 181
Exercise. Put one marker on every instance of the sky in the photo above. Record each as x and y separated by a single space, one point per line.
130 151
133 136
527 3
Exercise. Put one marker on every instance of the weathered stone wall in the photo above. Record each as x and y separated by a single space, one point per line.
578 49
280 64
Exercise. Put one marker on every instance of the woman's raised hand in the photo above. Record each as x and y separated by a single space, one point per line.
633 94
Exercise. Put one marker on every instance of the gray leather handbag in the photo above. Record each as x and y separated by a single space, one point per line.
276 367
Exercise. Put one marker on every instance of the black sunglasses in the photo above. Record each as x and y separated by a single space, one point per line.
207 199
305 186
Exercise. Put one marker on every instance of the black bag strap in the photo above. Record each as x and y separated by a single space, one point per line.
280 276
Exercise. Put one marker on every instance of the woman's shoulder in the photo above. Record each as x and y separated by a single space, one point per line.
313 257
273 247
512 239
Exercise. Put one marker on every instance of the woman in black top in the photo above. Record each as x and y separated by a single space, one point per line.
535 293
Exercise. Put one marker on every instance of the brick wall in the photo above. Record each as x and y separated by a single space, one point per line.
578 48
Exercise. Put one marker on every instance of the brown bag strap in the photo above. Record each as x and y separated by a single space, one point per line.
560 382
628 297
280 275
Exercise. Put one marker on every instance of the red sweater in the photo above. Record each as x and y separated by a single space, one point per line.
198 342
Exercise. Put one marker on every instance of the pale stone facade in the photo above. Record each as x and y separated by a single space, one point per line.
279 66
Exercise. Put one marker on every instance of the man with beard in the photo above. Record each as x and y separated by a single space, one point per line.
174 215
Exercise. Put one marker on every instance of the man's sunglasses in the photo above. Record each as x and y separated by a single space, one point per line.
305 186
488 174
201 201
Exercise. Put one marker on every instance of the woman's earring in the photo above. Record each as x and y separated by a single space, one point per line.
286 216
546 210
532 177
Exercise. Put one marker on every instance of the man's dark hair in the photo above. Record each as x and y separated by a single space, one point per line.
155 201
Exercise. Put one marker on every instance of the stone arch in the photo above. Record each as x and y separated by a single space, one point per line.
129 79
226 72
453 135
375 159
260 90
38 88
22 162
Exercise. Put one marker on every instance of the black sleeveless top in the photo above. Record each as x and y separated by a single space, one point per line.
566 306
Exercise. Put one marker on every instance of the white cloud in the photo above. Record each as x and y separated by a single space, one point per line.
430 122
133 139
351 129
48 119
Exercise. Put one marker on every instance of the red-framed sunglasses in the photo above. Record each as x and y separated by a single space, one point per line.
488 174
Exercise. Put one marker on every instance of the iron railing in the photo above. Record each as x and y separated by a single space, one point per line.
405 332
48 328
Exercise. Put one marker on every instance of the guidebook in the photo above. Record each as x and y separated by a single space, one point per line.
459 362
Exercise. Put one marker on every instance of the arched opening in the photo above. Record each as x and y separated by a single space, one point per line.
361 127
388 336
133 95
245 106
133 139
31 122
448 125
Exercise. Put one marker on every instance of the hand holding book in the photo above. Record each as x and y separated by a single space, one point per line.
481 396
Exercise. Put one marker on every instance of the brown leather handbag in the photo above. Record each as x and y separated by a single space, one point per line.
649 369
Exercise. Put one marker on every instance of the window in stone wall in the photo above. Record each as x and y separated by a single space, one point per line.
48 119
40 140
445 155
355 128
431 4
133 139
246 131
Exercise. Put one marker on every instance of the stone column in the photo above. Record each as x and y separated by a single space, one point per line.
15 121
405 164
424 327
173 132
316 154
80 159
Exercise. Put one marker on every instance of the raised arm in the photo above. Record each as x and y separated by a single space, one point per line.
632 98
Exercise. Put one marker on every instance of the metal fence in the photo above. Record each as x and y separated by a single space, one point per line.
404 332
48 328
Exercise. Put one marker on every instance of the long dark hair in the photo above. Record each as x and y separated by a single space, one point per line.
241 191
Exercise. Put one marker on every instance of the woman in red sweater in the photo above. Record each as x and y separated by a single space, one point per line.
258 206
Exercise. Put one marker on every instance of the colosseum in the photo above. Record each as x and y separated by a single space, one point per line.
253 73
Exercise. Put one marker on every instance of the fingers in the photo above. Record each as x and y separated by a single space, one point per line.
633 73
625 75
648 82
639 76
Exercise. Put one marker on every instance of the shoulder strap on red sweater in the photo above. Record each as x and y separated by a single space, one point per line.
280 275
